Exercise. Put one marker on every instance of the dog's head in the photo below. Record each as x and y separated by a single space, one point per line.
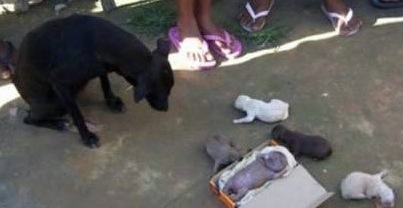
240 101
156 84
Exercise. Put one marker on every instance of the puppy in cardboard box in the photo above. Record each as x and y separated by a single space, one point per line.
256 170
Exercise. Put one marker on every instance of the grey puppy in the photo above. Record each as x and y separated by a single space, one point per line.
222 151
301 144
267 166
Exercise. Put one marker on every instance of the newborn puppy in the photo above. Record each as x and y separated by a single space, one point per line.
359 185
267 166
222 151
300 144
275 110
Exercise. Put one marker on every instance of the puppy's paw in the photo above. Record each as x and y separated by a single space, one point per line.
236 121
115 104
91 140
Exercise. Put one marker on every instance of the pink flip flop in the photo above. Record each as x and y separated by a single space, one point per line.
228 40
175 37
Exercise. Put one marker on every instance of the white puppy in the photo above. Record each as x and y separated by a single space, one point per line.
275 110
359 185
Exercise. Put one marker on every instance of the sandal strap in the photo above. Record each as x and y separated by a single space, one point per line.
345 18
227 38
253 14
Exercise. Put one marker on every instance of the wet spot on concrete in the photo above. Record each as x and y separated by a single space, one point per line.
146 181
181 186
104 156
365 127
387 94
93 164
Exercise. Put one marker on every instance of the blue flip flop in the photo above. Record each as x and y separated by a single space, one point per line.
387 5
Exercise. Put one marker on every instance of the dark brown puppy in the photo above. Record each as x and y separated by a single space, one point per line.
222 151
301 144
267 166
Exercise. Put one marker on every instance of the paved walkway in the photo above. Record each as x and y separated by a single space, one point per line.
349 90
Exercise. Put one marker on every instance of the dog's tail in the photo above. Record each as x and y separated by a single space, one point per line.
381 174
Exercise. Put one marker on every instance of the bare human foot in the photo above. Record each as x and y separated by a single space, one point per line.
345 28
193 45
257 8
227 44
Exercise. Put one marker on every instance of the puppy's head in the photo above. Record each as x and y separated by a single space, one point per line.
241 100
386 198
274 161
277 133
157 83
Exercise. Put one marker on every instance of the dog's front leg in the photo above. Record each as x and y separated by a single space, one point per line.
89 139
113 102
249 118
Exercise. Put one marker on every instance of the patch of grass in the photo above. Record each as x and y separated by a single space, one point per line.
153 17
269 36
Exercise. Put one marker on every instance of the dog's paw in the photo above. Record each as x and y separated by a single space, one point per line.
91 140
115 104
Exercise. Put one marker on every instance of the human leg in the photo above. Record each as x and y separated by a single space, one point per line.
342 17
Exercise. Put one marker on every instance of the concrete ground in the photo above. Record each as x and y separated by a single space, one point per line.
347 89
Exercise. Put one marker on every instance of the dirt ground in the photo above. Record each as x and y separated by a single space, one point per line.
347 89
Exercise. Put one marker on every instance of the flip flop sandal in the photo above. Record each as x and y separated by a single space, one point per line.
255 16
233 44
174 36
335 18
387 4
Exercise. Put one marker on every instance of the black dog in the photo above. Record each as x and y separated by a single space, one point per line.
59 57
301 144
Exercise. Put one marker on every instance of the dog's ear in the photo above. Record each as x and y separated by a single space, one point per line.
141 89
163 47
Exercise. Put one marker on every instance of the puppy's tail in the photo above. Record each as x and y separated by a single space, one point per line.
381 174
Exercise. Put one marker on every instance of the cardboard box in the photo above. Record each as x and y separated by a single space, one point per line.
297 190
